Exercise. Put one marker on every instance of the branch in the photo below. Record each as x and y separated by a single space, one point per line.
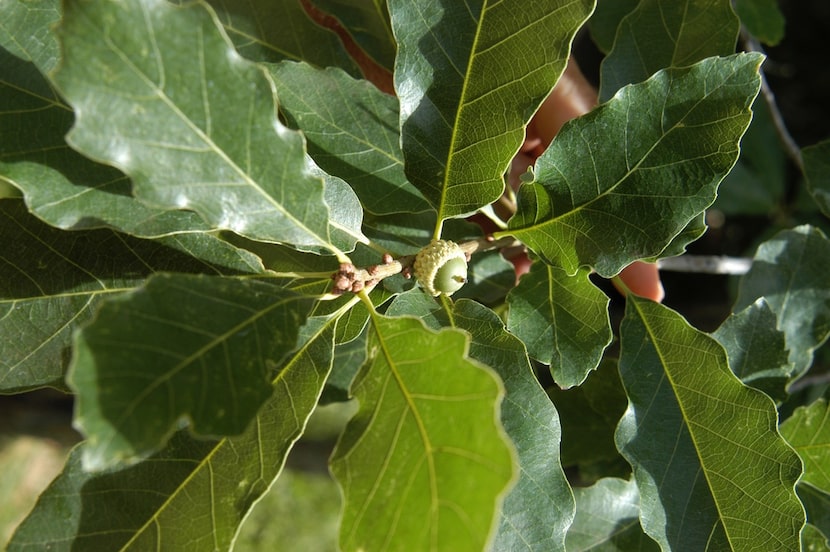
349 278
790 146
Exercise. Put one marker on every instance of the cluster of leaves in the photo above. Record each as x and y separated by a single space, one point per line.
180 182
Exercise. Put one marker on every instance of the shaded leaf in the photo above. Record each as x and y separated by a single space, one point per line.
273 30
817 505
817 173
590 414
192 348
352 132
563 321
763 19
757 350
367 21
193 494
608 518
667 33
597 208
144 106
536 513
808 432
445 460
468 83
790 272
51 282
489 278
699 441
26 32
606 19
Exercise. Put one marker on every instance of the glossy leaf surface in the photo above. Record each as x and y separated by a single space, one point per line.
132 79
596 207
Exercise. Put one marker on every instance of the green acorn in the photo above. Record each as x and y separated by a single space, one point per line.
441 267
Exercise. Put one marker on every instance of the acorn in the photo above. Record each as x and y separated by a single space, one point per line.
441 267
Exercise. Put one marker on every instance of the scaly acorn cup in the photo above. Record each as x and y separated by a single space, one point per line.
441 267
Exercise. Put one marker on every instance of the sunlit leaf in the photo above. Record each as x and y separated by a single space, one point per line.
597 207
667 33
608 518
51 282
808 432
563 321
191 495
200 135
26 32
700 441
469 76
790 272
192 348
347 125
423 462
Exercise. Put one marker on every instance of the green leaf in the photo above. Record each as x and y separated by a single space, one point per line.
563 321
817 173
273 30
763 19
757 350
817 505
536 513
193 348
606 19
51 282
700 441
667 33
146 106
193 494
812 540
489 278
597 207
790 273
607 518
351 132
27 33
808 432
367 22
590 414
423 462
469 76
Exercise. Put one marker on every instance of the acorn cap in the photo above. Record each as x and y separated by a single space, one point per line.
441 267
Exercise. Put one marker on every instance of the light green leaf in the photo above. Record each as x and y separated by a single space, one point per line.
700 441
817 173
790 273
273 30
608 519
351 129
367 22
757 350
26 32
469 76
667 33
181 348
538 510
597 207
812 540
423 462
762 18
808 432
193 494
163 99
563 321
51 282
